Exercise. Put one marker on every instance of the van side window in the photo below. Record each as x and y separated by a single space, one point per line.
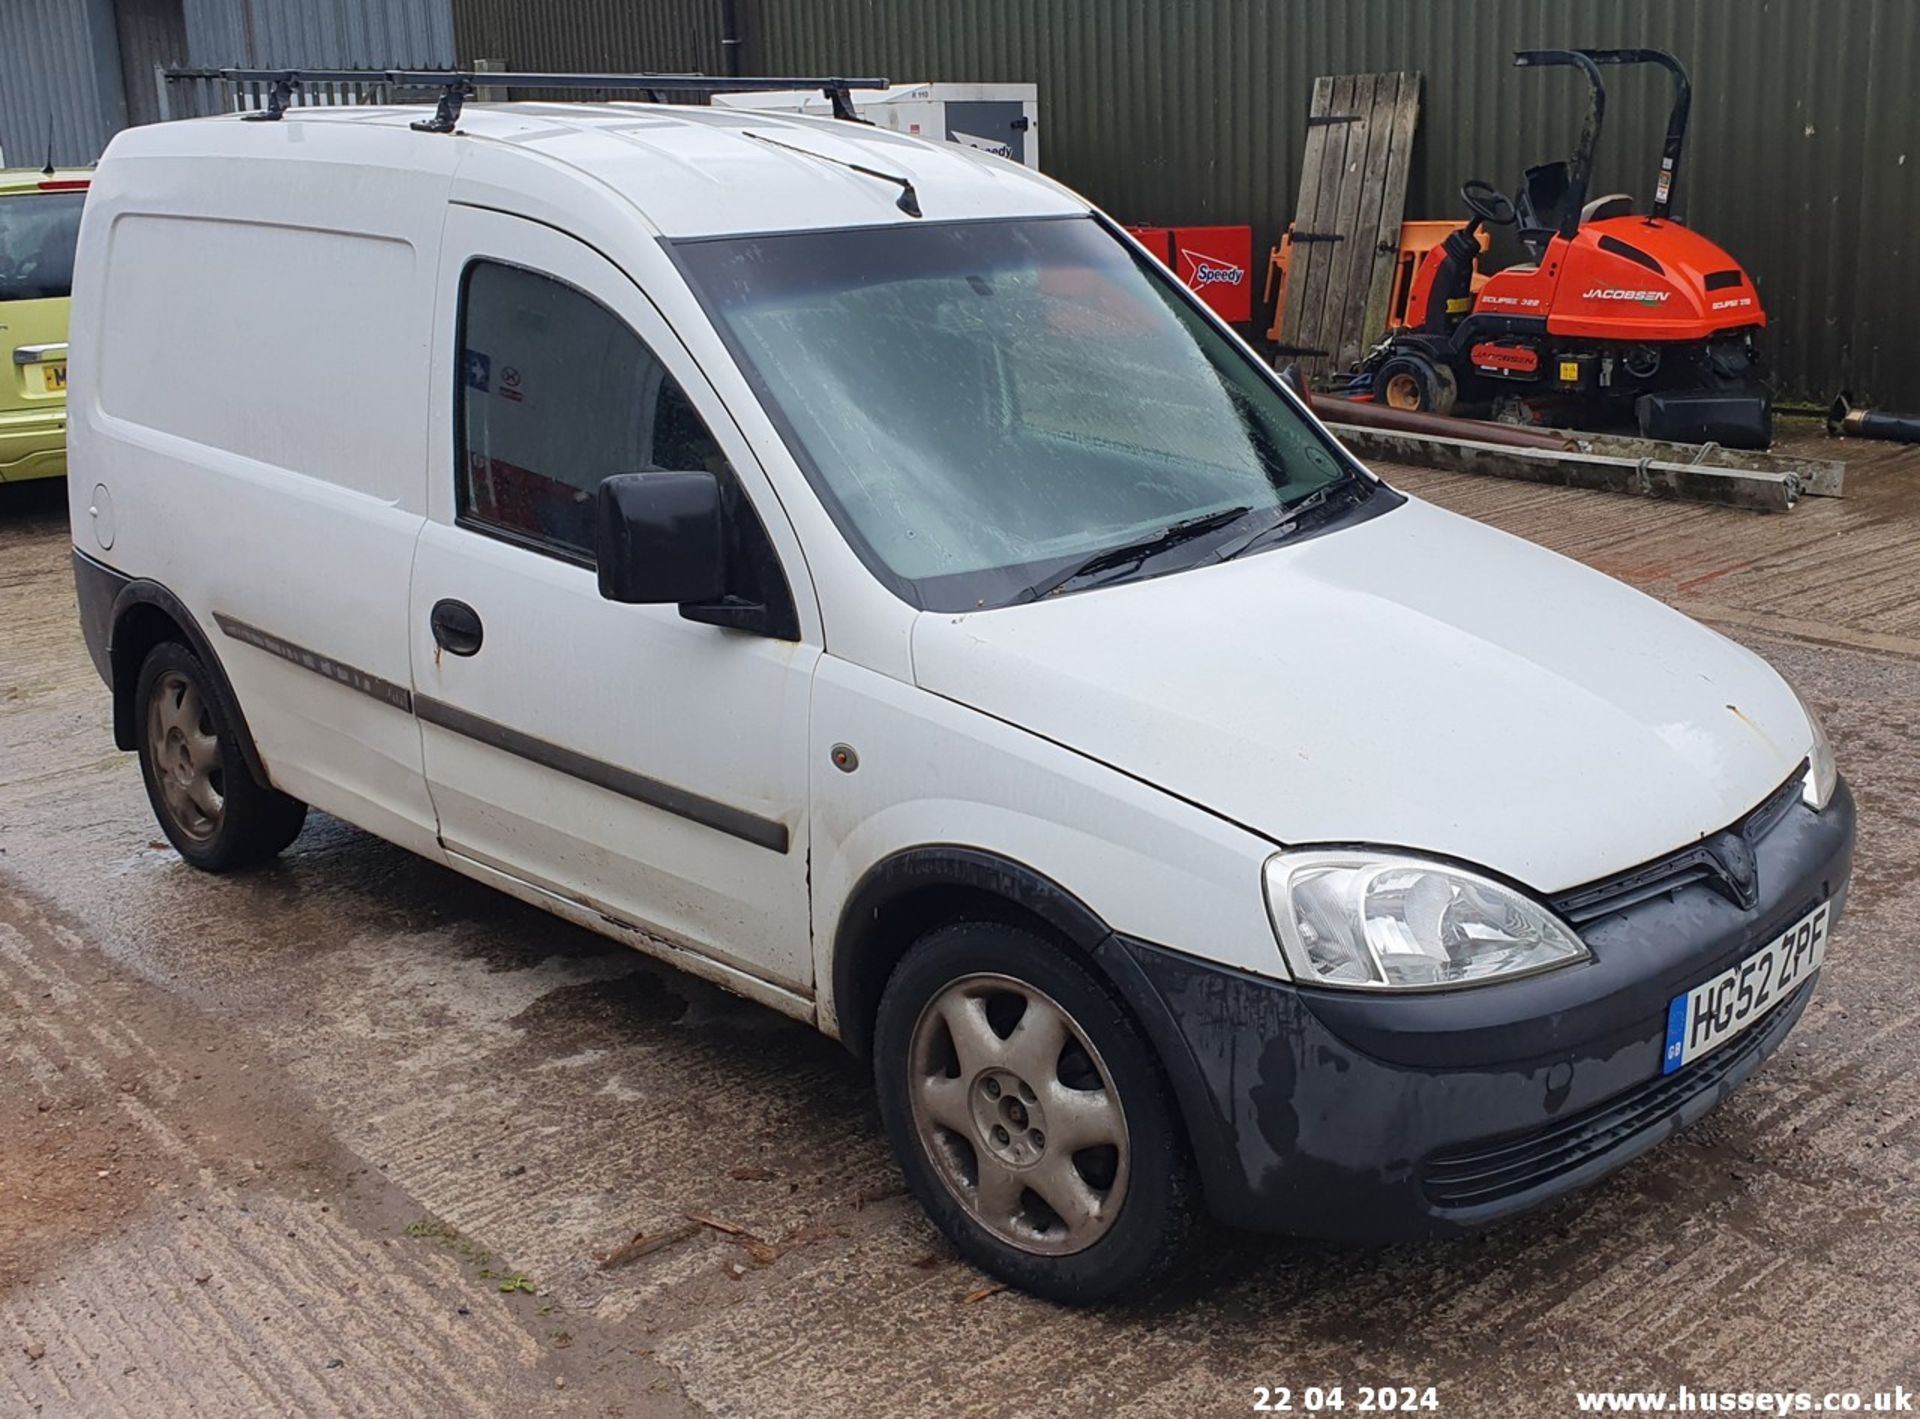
555 394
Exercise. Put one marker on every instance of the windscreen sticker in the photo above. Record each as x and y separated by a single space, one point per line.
479 370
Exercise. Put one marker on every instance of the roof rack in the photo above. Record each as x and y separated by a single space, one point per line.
456 86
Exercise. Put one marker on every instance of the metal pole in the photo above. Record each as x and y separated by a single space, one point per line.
1845 421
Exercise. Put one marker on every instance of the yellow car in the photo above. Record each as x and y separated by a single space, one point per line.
39 223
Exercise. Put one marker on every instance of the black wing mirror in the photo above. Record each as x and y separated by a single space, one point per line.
660 538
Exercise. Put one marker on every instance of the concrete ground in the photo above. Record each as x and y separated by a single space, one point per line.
354 1135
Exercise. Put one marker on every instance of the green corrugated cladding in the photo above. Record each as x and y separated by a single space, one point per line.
601 36
1803 157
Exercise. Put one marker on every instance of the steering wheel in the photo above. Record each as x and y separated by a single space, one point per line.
1488 202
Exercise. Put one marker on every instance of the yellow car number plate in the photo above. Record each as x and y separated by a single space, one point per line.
55 376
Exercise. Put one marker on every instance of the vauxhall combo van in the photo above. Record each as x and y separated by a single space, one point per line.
850 568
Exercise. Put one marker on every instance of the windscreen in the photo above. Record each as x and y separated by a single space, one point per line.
981 404
38 231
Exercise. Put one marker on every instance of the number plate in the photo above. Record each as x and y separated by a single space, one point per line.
1715 1011
55 376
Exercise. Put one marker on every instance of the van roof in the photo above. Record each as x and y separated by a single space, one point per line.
689 170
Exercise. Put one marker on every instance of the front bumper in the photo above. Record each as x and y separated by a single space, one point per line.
1375 1118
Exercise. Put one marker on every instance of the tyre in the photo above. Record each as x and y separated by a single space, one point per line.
1415 384
209 806
1031 1116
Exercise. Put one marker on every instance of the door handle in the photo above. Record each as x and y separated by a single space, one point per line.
456 627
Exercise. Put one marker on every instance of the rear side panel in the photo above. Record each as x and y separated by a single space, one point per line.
251 320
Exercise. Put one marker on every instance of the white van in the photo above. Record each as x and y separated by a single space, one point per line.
939 628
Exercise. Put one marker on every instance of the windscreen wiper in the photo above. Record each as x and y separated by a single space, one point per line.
909 201
1132 553
1316 507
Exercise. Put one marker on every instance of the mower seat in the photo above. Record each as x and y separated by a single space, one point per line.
1540 203
1614 204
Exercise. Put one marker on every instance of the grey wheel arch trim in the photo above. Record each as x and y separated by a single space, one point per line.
857 943
859 948
143 592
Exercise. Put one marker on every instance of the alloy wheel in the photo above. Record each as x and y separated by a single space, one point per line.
184 753
1018 1113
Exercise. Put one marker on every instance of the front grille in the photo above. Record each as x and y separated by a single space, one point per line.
1489 1172
1697 863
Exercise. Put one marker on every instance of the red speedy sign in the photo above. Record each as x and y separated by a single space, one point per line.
1217 265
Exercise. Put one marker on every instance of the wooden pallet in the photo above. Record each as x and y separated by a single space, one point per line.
1346 225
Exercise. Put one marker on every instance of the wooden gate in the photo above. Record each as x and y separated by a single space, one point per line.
1346 225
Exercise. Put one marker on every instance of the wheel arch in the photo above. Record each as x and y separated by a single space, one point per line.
907 894
904 895
146 614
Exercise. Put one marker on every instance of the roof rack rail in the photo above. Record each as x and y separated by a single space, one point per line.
456 86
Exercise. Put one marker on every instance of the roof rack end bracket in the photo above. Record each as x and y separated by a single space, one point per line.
279 96
841 97
454 92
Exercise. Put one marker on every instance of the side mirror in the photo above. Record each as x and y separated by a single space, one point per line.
660 538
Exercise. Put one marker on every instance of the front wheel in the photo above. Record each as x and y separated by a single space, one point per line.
1030 1115
1414 384
209 806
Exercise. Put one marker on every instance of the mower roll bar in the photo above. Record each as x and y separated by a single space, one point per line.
1580 170
1676 118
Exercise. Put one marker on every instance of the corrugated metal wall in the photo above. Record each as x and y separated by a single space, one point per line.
348 34
603 36
79 62
1804 156
59 70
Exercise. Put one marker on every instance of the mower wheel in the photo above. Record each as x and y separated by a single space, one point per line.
1415 384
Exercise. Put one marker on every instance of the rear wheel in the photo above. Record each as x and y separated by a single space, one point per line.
1030 1115
1415 384
209 806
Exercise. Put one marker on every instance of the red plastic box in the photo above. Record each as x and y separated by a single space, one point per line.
1217 265
1158 240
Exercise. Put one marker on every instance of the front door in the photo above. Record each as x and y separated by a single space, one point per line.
648 768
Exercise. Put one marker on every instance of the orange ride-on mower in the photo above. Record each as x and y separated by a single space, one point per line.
1616 311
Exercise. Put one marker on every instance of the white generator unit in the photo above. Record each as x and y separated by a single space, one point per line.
1003 119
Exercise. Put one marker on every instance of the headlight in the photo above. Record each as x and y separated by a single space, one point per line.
1816 789
1377 921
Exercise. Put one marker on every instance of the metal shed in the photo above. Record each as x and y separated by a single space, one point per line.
61 91
1804 157
84 69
